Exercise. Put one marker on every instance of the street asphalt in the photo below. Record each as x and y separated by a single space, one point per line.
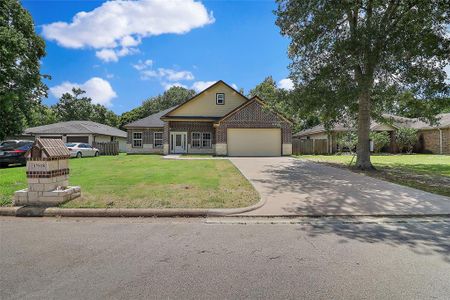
224 258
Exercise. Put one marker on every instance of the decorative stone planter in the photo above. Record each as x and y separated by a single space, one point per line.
48 174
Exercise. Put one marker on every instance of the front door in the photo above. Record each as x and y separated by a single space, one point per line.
178 142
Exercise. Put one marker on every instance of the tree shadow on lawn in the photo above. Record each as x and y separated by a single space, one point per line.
430 169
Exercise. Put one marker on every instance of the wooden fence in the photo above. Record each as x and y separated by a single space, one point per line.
311 146
107 148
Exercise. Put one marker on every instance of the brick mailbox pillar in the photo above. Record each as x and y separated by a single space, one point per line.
47 174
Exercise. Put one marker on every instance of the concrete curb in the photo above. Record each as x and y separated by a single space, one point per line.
30 211
33 211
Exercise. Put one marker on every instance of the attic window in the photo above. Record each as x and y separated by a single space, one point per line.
220 98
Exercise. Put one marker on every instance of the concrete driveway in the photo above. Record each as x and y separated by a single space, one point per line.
298 187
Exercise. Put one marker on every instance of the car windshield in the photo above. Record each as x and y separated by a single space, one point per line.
8 143
71 145
25 147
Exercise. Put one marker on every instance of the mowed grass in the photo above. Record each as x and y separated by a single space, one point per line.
427 172
147 181
422 163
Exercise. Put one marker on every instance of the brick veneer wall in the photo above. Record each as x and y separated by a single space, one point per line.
431 140
147 135
446 141
254 116
190 127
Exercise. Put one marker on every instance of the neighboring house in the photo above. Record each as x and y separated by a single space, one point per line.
432 139
80 132
219 121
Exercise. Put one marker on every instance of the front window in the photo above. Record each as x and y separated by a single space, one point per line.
137 139
201 140
206 140
158 140
220 98
196 139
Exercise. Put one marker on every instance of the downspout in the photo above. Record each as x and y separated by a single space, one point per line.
440 141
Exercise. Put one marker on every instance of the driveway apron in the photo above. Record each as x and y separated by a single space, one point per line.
299 187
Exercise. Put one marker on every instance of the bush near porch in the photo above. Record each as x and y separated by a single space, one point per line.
427 172
147 181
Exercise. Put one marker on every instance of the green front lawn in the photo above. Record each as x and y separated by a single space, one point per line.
147 181
423 171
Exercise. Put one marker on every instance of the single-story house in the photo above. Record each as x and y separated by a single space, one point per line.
80 132
218 121
432 139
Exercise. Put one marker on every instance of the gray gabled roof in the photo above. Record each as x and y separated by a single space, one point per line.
395 121
77 127
150 121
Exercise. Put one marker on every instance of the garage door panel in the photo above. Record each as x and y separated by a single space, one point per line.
254 141
78 139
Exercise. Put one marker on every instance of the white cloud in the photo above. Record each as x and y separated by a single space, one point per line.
286 84
108 55
141 65
123 24
234 86
98 89
199 86
129 41
166 74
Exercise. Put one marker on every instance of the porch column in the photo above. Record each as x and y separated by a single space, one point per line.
166 139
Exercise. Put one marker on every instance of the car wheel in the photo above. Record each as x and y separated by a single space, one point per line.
3 165
96 154
79 155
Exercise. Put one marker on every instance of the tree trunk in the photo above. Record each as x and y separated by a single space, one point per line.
363 147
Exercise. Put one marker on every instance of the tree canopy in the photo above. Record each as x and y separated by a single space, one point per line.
353 58
21 86
173 96
280 99
76 106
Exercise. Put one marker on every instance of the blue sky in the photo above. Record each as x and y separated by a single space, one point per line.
122 54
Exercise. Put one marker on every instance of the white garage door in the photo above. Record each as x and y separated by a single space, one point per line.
254 141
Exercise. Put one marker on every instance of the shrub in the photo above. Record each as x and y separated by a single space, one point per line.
380 139
347 140
406 138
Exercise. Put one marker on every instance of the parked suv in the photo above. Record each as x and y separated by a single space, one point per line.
13 152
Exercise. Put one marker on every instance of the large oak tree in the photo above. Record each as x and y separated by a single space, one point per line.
21 49
349 57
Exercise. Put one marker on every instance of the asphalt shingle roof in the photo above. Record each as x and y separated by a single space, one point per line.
150 121
396 121
77 127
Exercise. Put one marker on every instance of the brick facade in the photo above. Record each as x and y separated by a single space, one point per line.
190 127
251 116
446 141
430 141
147 141
147 135
254 116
